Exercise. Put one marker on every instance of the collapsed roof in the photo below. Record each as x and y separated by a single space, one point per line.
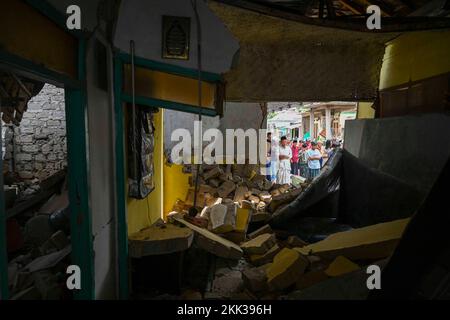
289 57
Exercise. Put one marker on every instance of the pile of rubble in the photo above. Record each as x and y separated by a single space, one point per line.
229 197
277 264
39 240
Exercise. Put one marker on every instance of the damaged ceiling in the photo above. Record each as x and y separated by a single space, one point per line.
286 60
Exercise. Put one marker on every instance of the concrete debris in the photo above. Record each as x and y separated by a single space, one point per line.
341 265
210 241
255 279
259 245
373 242
264 229
260 259
160 239
288 265
294 241
234 199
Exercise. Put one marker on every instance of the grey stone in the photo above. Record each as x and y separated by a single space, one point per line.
30 148
23 157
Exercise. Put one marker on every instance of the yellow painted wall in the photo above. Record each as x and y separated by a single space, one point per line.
27 33
365 110
166 86
176 185
142 213
415 56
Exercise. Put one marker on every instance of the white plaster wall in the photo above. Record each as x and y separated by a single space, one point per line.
141 21
102 178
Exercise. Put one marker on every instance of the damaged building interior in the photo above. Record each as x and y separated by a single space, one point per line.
89 180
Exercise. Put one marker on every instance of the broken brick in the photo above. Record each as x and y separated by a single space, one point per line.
288 265
226 188
260 259
340 266
255 279
264 229
259 245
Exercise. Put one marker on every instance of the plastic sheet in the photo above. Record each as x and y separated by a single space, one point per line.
140 153
351 194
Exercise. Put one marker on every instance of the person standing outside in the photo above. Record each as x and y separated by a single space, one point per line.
294 160
268 156
303 160
274 152
313 156
285 156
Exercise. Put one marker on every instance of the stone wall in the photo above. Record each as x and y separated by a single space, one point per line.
37 148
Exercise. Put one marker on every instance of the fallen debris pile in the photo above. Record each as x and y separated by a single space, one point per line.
231 197
41 251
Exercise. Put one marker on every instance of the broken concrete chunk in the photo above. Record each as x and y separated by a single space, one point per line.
211 242
260 216
215 183
265 196
246 204
229 222
253 199
283 198
310 278
294 241
242 219
239 194
217 215
264 229
259 245
159 240
47 285
260 259
213 173
28 294
226 188
59 240
341 265
255 279
288 265
373 242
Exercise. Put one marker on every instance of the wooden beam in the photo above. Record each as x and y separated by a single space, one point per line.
390 24
387 10
353 7
321 6
331 13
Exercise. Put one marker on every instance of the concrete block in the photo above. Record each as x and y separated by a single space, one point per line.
225 189
239 194
294 241
260 216
341 265
255 279
264 229
373 242
259 245
309 279
160 239
211 242
213 173
59 240
260 259
288 265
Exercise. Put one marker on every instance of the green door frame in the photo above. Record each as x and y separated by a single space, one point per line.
80 215
119 99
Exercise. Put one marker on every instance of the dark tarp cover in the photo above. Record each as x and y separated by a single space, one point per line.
346 194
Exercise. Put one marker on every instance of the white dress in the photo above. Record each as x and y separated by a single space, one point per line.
284 171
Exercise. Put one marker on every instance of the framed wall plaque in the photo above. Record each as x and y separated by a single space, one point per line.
176 37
